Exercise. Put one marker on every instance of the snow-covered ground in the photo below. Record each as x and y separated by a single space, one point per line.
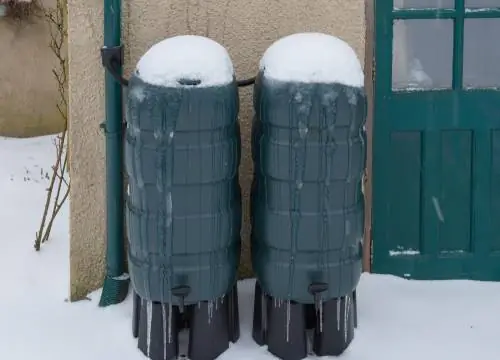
398 319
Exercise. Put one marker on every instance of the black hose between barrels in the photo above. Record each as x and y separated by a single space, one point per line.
245 82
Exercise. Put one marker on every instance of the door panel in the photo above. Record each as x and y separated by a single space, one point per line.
495 191
404 200
453 209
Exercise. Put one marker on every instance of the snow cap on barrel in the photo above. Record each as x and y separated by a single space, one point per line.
312 58
186 60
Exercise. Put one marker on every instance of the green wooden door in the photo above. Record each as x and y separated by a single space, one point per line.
436 139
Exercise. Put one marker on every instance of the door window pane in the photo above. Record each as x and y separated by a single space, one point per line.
425 4
422 54
481 53
472 4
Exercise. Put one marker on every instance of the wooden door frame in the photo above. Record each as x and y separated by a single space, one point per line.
369 87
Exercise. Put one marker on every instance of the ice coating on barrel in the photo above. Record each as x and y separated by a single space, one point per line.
182 152
309 147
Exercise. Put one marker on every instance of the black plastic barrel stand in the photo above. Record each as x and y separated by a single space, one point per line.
158 333
286 332
335 332
260 311
211 325
233 315
282 325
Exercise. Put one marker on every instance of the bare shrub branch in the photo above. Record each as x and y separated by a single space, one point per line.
59 185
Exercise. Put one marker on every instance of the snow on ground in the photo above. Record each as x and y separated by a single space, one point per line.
295 58
186 57
398 319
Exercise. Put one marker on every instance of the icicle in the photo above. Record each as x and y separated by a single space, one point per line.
288 321
320 310
351 96
347 228
329 99
157 134
164 315
298 97
303 130
209 312
149 312
210 309
338 313
138 93
170 323
304 109
169 209
346 316
263 309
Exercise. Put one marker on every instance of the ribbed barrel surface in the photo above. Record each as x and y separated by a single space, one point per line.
308 144
184 204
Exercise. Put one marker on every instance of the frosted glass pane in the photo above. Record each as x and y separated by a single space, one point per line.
481 53
422 54
424 4
482 3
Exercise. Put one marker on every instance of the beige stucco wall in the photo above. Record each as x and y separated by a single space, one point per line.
28 90
246 28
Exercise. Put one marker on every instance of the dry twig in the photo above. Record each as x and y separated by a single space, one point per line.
59 185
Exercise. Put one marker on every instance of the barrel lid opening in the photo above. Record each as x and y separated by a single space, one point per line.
186 60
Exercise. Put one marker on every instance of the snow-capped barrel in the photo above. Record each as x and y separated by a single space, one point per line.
307 202
182 153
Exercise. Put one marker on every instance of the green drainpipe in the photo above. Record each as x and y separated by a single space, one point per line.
116 282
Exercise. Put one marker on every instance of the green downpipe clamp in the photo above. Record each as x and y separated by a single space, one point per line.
116 282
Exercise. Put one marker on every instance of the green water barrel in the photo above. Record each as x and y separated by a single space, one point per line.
309 151
182 154
307 203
